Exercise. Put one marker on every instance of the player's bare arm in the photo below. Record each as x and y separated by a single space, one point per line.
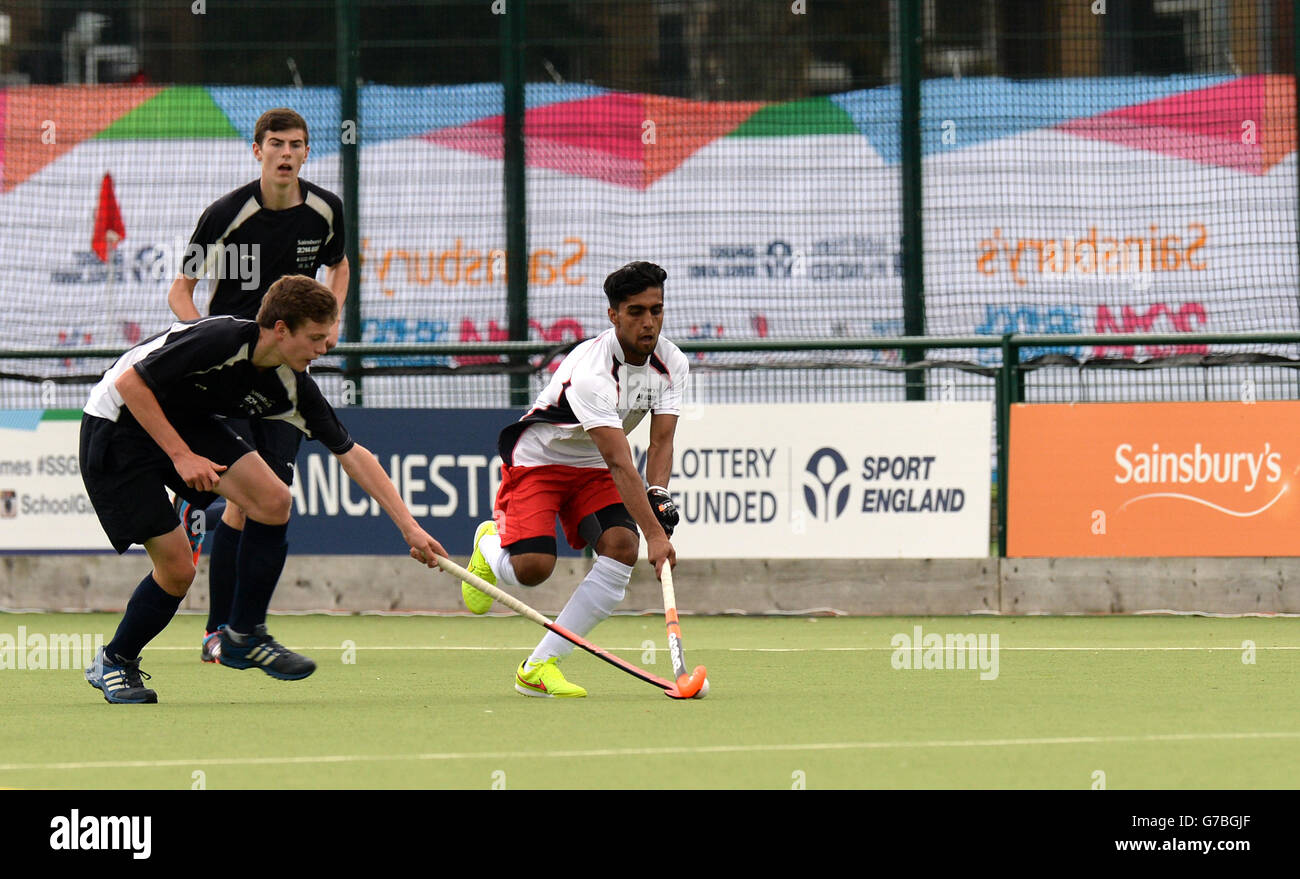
613 447
659 458
336 278
659 468
180 298
362 467
197 471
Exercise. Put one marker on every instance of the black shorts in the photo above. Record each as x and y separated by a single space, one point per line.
127 474
276 441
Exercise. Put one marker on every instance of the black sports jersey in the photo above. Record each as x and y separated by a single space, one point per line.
205 367
247 247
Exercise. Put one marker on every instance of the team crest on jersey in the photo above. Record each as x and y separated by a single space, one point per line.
639 391
645 399
307 250
256 403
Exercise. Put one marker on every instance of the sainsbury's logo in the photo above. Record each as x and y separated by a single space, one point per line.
1197 467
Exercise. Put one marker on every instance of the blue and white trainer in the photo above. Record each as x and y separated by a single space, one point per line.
120 680
260 650
211 651
194 532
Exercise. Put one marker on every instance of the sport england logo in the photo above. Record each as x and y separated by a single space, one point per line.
827 475
780 260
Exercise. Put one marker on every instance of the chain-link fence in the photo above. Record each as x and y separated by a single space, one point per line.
1081 166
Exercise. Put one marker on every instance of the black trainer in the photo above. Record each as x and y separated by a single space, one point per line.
260 650
120 680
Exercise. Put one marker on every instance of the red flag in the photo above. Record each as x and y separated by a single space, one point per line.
109 228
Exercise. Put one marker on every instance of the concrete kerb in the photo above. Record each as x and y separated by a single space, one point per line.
344 584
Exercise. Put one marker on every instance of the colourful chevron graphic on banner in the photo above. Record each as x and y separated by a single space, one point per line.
43 123
4 116
1247 124
629 140
633 140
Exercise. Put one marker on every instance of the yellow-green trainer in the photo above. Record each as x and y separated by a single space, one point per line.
545 680
477 601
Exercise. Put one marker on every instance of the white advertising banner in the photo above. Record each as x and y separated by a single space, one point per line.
810 481
757 264
43 503
1114 205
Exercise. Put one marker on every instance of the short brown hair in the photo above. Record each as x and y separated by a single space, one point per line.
297 299
279 119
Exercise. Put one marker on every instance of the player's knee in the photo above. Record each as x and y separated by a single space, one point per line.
533 570
619 544
274 506
233 516
626 555
282 504
175 576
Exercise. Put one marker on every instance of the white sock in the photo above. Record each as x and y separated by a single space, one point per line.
498 559
594 600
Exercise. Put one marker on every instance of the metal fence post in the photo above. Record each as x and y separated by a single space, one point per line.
1295 78
1007 393
348 58
910 71
516 189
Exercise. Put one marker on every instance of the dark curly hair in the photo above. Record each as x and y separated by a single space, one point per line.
630 280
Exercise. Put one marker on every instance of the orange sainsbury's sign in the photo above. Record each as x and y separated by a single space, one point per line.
1154 479
462 264
1102 254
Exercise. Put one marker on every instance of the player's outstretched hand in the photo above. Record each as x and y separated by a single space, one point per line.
423 547
197 471
660 551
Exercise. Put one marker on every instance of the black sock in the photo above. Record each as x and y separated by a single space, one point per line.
261 559
221 574
147 613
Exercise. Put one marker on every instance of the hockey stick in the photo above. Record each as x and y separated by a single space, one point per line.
450 567
696 683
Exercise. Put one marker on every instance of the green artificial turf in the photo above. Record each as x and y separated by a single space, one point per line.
429 703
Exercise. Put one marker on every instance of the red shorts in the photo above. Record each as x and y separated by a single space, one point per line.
530 498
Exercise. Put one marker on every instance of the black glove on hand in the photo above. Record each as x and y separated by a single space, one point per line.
665 510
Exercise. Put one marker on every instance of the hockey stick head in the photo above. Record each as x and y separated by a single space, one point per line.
694 685
690 686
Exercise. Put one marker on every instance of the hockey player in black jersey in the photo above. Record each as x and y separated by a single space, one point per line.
274 226
159 418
